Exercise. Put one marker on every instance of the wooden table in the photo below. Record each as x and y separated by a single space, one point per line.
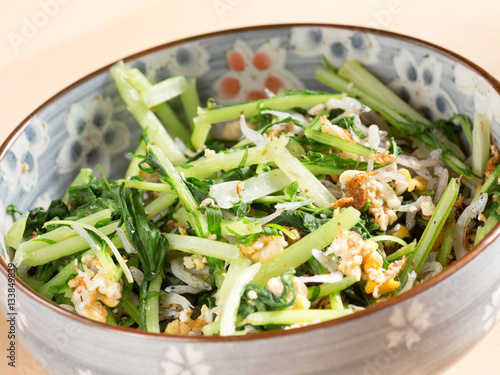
48 44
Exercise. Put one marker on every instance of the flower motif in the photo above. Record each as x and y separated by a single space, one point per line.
250 73
492 312
408 328
338 46
93 136
187 363
190 60
419 85
21 161
486 99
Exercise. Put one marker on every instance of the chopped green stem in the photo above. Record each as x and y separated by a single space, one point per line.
241 227
489 183
489 225
132 310
226 193
339 143
200 133
14 236
144 116
309 184
58 250
277 103
319 291
163 110
157 160
133 168
481 136
62 233
300 251
432 230
211 329
232 301
190 100
403 251
153 305
290 317
466 126
232 160
354 72
446 246
202 246
159 204
333 80
236 266
151 186
164 91
336 301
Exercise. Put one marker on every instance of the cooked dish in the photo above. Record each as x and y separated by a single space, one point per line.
271 214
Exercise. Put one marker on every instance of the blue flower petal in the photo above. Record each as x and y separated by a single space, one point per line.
10 161
404 94
315 35
411 73
426 111
183 56
441 103
358 41
116 136
428 76
338 49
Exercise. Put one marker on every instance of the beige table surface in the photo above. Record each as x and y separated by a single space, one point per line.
69 39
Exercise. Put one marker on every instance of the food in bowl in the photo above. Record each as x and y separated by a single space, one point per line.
308 206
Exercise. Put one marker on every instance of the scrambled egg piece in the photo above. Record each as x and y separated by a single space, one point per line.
285 128
417 183
264 248
93 288
361 259
301 301
195 261
361 187
336 131
381 281
209 152
190 327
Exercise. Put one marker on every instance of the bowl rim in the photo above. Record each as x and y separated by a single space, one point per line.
420 289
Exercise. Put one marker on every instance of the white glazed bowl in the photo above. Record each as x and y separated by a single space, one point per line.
420 332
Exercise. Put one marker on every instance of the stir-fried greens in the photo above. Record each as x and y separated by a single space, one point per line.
299 208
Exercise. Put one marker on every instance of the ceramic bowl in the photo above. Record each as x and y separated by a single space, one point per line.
420 332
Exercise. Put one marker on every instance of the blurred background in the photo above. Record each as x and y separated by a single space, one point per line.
45 45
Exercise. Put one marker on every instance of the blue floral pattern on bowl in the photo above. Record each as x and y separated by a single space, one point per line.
20 166
419 82
93 136
336 45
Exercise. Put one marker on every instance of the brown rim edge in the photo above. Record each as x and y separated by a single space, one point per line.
482 246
